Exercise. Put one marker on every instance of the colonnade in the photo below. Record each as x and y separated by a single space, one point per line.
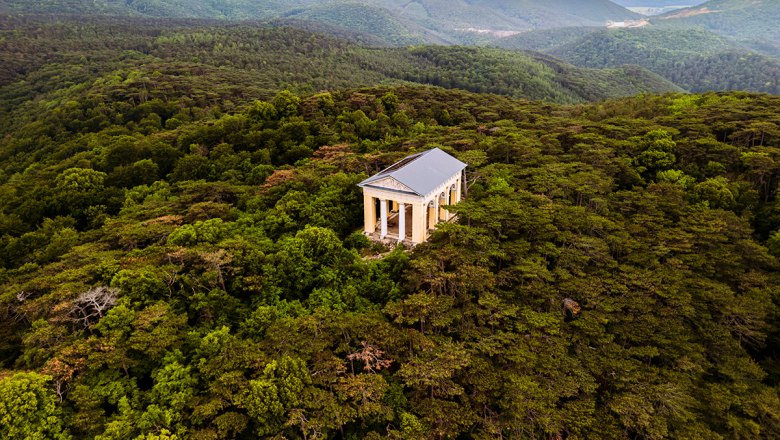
382 206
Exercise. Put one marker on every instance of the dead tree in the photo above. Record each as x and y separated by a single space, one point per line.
92 305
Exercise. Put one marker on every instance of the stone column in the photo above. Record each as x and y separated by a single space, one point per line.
453 192
418 222
458 187
383 215
401 222
369 214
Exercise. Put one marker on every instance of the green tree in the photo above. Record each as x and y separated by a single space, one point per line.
287 104
773 244
28 409
79 189
657 152
262 111
715 193
276 392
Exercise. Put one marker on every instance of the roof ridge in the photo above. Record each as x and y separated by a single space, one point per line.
420 181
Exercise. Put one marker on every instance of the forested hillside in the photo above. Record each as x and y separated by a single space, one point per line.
222 65
181 254
546 39
396 21
369 20
751 22
696 60
177 271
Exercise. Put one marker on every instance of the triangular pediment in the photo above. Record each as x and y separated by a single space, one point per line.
390 183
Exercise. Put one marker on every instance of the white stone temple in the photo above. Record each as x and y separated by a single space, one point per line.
405 201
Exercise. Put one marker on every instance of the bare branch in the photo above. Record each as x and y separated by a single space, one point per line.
92 305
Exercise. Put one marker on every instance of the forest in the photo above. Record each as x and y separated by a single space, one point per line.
693 59
46 57
173 271
392 21
749 22
181 254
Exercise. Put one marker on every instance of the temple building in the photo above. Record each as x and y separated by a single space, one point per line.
405 201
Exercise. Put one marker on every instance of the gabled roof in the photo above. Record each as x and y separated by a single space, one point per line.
421 173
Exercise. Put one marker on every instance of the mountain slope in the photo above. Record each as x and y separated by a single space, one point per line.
209 277
216 9
751 22
402 20
544 40
365 19
516 14
248 61
696 60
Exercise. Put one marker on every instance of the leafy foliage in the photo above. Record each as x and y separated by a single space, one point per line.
27 408
613 272
180 254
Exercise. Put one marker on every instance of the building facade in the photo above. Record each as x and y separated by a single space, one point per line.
405 201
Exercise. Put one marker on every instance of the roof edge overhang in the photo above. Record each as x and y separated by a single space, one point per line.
395 173
382 188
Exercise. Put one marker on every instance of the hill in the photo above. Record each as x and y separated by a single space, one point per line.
170 268
244 62
214 9
696 60
395 21
181 254
750 22
516 15
365 19
546 39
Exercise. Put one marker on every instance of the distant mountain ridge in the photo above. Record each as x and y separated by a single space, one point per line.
432 21
695 59
754 23
250 62
658 3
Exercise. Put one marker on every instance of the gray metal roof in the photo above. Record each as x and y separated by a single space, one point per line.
421 172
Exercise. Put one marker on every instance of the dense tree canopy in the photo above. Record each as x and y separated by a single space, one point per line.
612 274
